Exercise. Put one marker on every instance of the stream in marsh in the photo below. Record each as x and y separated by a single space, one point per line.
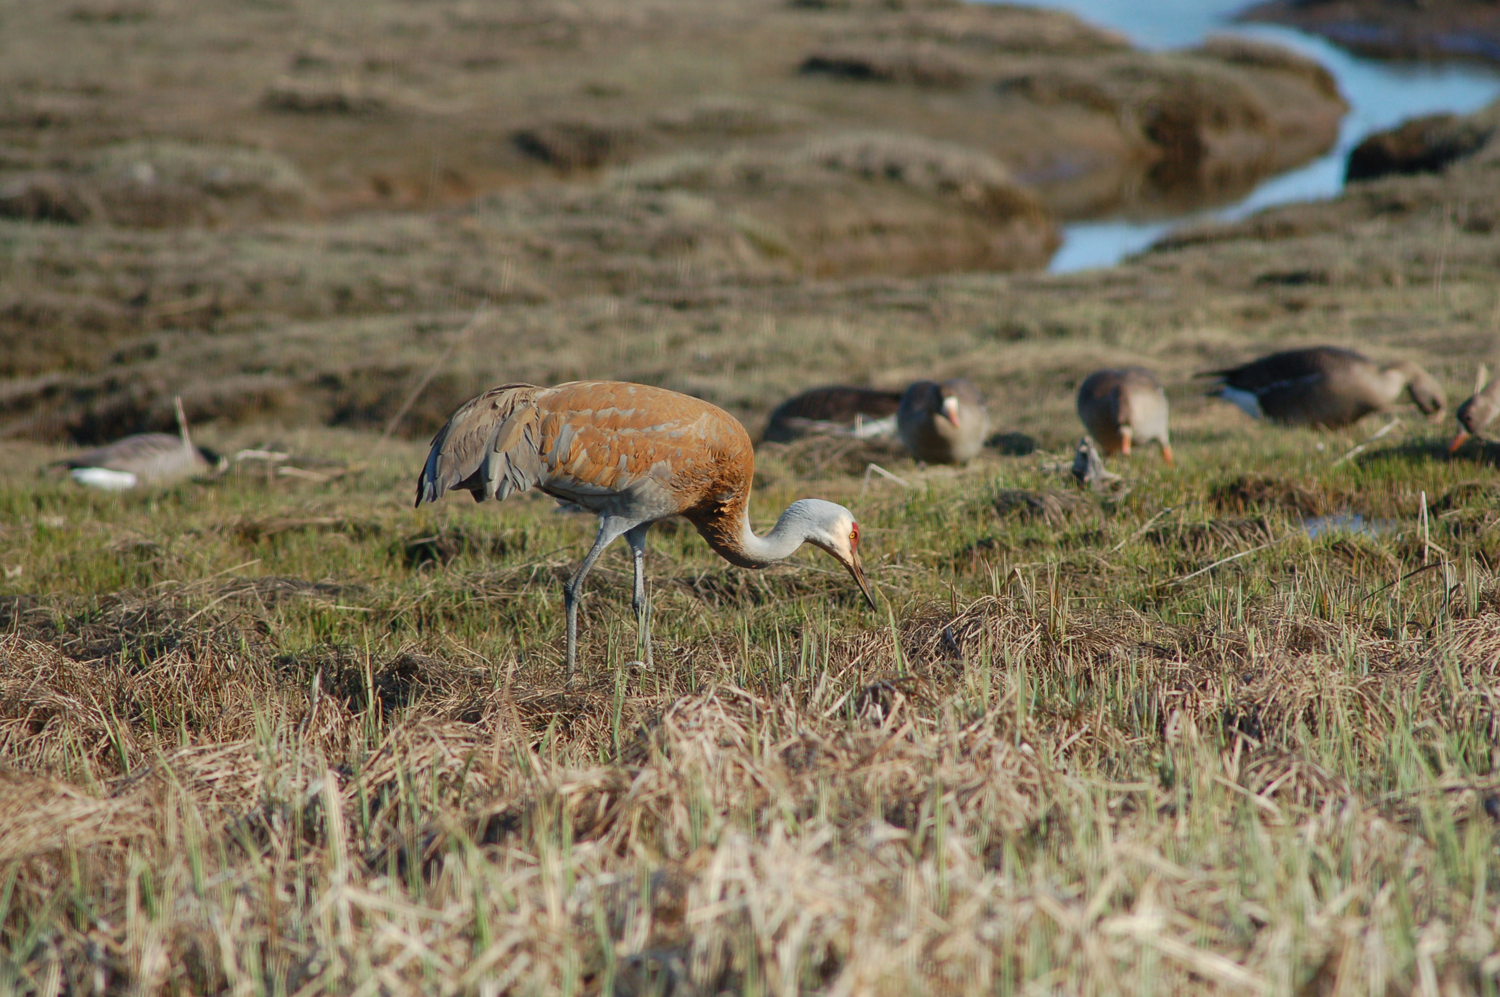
1380 95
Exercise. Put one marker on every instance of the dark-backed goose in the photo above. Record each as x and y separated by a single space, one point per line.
835 408
1324 386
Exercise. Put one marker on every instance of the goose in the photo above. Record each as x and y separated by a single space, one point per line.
144 459
1324 386
1478 412
1124 406
942 423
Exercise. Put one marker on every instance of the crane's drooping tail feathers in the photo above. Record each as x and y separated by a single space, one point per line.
491 447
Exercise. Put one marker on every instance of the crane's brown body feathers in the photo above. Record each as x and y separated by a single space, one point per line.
606 446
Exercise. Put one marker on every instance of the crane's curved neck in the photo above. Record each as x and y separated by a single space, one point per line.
731 537
790 532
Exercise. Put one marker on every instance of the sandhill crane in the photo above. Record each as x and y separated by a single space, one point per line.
1478 412
144 459
1324 386
861 412
942 423
1123 406
633 454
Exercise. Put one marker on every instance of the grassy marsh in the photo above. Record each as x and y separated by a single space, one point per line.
299 738
284 735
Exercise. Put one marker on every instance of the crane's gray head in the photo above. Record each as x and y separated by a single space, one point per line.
832 527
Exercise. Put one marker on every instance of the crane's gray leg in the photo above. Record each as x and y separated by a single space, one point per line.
610 529
636 537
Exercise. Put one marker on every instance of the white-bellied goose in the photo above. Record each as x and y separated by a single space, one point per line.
144 459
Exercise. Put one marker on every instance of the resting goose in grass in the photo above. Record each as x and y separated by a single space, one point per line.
144 459
1324 386
1122 407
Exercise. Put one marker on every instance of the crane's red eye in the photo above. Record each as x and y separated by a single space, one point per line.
853 534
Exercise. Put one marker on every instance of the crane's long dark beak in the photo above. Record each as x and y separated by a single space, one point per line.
857 570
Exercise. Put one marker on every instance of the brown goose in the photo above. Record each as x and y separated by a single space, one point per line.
1324 386
1477 413
942 423
144 459
835 407
1122 406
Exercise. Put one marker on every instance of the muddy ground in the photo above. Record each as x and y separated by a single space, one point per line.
292 218
285 212
1466 30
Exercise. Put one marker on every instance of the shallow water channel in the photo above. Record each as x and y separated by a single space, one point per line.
1347 522
1380 94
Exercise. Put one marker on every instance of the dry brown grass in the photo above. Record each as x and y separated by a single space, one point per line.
937 817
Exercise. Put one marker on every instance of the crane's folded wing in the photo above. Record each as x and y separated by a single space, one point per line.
489 447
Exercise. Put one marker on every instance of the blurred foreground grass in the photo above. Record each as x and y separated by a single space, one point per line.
294 737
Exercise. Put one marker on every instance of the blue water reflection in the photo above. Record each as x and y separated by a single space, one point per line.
1347 522
1380 95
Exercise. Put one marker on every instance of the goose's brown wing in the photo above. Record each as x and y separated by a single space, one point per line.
1291 368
